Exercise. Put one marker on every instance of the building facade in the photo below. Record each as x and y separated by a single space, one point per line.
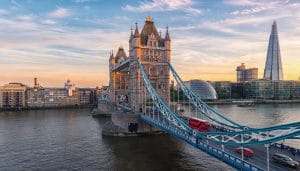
223 89
13 96
246 74
87 96
153 51
268 89
67 96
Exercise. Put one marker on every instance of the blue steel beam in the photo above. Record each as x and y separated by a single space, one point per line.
202 106
200 144
160 104
255 136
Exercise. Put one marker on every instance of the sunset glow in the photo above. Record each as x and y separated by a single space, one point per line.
57 40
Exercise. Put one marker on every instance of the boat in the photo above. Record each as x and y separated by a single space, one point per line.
245 103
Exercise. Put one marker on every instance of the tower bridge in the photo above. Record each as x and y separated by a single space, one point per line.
139 88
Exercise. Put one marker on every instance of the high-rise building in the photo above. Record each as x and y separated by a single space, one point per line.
244 74
273 67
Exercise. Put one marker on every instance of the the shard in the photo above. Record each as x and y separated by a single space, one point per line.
273 68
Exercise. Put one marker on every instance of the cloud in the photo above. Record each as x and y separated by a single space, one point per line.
242 2
29 47
53 52
249 11
164 5
15 3
257 7
83 1
3 12
48 22
25 17
60 13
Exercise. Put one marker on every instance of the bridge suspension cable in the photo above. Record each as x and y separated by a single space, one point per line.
201 106
236 138
160 105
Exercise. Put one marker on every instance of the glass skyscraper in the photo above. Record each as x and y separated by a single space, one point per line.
273 68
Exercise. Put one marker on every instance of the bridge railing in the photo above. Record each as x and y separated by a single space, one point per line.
227 158
198 143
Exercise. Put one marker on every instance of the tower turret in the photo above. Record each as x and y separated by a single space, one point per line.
131 34
134 50
136 31
167 38
168 44
111 58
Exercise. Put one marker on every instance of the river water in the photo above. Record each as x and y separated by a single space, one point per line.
70 139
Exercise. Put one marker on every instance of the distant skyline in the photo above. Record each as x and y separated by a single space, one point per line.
56 40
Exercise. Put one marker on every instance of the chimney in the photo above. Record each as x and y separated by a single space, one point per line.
35 82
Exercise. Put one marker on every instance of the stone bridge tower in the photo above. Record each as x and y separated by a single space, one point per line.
153 51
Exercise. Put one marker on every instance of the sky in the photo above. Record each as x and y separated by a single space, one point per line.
56 40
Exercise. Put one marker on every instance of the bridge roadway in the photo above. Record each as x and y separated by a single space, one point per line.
260 155
260 152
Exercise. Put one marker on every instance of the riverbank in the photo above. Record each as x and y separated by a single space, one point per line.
255 101
48 107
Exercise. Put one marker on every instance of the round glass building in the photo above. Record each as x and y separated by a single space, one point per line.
203 89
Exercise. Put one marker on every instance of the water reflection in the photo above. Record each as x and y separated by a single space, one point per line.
71 140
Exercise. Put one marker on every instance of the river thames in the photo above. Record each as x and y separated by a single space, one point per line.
70 139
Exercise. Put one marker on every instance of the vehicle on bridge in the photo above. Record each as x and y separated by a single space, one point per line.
284 160
199 124
248 152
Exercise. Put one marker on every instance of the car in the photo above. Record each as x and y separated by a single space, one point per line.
284 160
247 151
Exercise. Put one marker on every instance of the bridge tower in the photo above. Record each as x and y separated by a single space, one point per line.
153 51
119 76
111 75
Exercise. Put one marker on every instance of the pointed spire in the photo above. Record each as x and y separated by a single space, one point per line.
131 33
167 38
274 28
111 55
136 32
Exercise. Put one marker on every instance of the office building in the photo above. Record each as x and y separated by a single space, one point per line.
86 96
246 74
13 96
223 89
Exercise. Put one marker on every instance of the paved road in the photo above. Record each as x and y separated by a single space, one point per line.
260 156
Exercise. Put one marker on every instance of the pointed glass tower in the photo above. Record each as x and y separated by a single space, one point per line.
273 68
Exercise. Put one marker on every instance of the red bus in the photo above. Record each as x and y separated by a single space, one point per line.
199 124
